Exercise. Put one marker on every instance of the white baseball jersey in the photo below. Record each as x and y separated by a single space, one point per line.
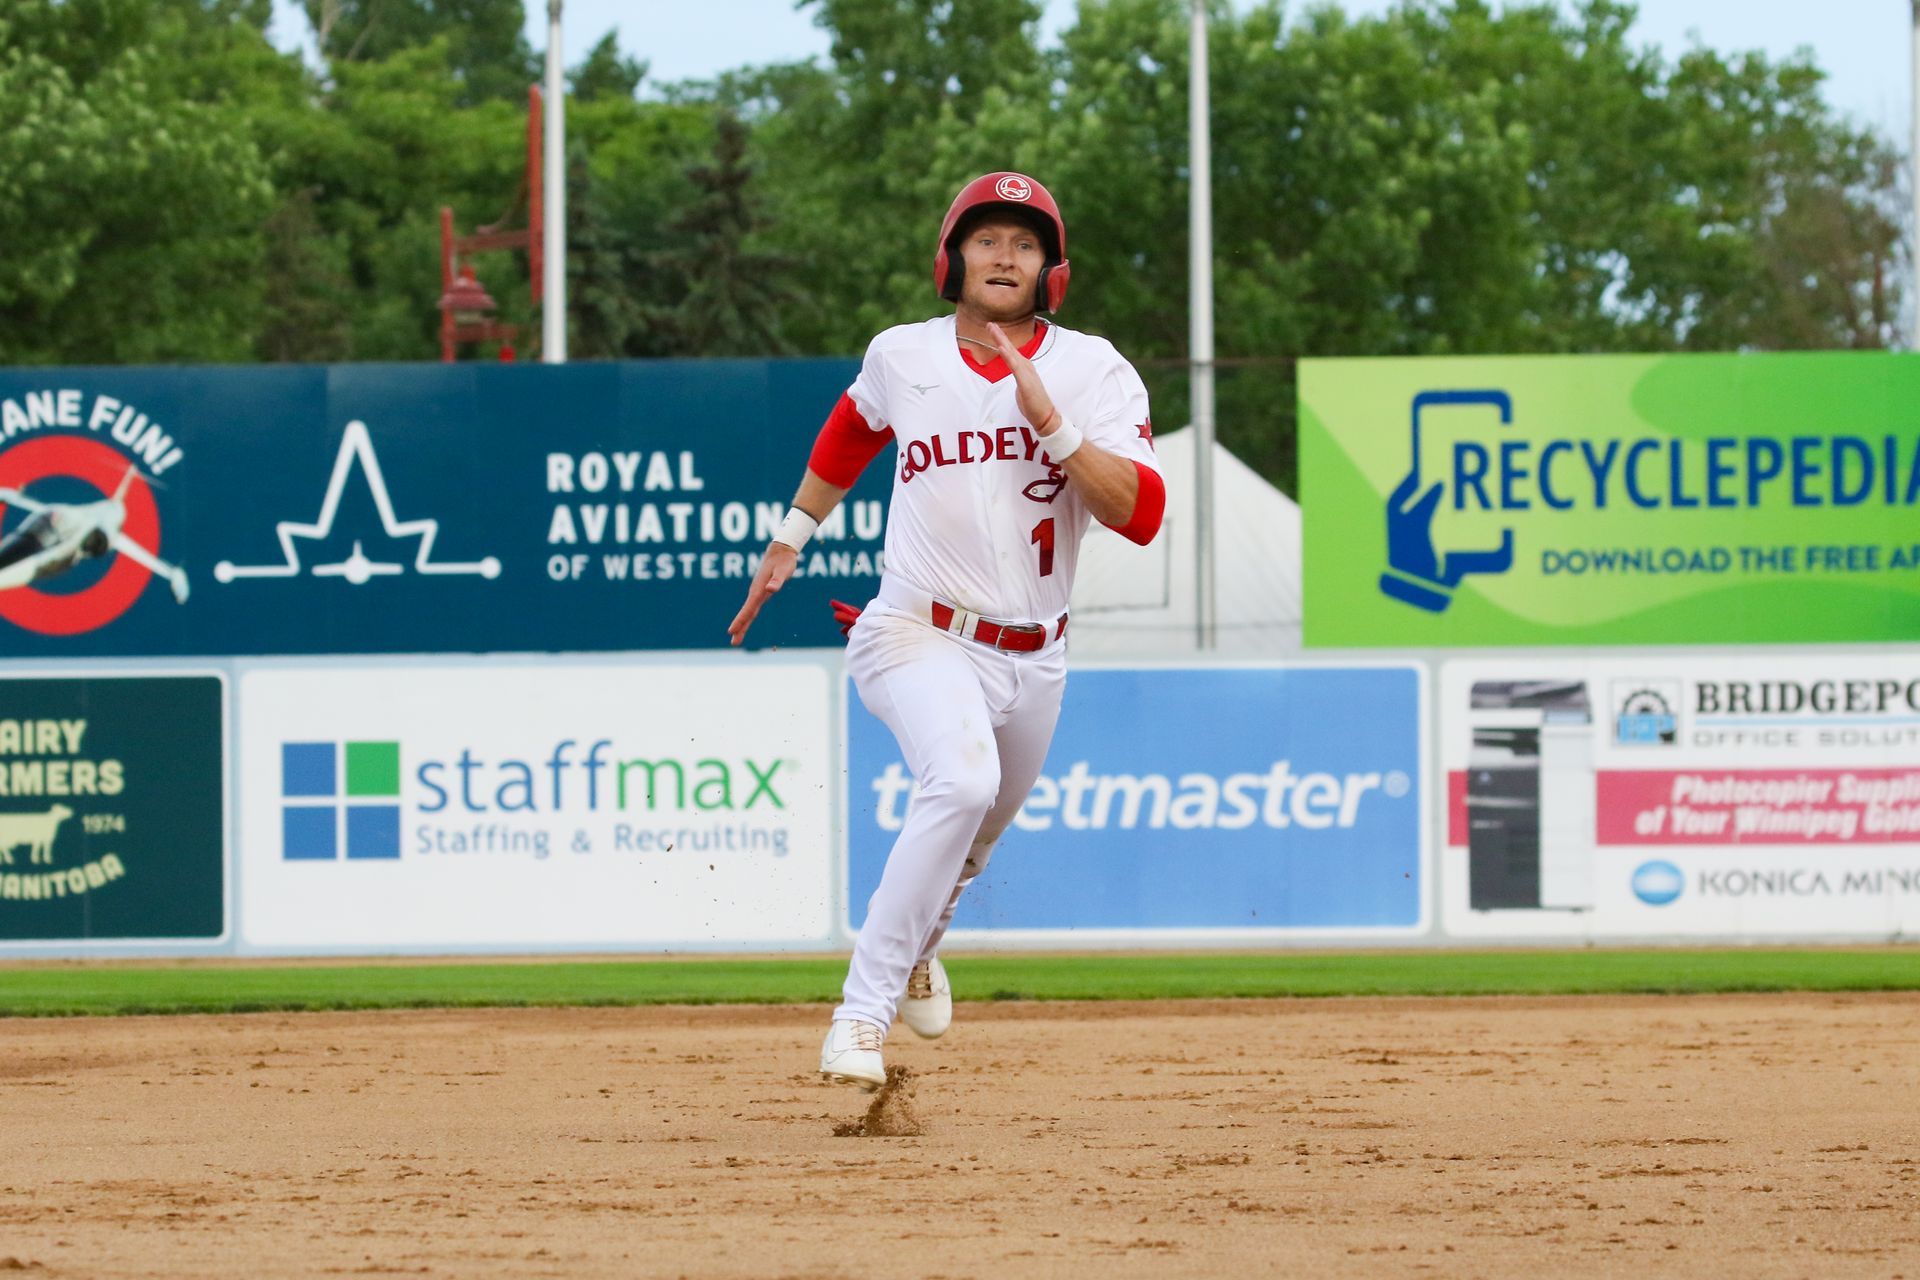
980 517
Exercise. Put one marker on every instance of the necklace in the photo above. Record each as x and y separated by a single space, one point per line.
984 345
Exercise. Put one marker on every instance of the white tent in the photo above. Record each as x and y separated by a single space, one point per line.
1138 602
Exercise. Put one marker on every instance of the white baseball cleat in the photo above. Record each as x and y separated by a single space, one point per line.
928 1008
851 1054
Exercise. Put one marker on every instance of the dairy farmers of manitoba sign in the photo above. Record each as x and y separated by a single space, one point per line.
112 809
1611 499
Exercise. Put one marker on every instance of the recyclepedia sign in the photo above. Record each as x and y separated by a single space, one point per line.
503 805
1611 499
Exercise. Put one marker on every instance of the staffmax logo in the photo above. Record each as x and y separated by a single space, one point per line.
339 799
1083 800
343 799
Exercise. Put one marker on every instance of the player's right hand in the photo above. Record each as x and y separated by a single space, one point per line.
776 566
1036 406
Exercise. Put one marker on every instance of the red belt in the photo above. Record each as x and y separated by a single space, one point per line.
1008 637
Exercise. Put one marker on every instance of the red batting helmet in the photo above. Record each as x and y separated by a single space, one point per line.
1005 190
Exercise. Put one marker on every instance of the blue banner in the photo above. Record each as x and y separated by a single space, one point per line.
1230 798
414 508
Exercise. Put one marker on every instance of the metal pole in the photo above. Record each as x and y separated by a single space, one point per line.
1913 179
553 286
1200 320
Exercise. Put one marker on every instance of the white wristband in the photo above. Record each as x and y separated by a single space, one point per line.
796 529
1063 441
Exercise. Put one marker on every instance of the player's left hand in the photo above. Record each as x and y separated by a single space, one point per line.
775 568
1036 406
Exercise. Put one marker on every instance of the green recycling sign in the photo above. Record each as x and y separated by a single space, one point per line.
1715 499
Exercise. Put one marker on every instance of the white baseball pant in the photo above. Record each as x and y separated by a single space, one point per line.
974 724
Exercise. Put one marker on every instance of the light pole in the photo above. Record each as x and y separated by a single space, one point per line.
553 285
1200 319
1913 179
465 307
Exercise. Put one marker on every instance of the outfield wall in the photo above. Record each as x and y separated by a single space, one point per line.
415 698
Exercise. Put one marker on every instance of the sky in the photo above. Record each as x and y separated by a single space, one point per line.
1865 46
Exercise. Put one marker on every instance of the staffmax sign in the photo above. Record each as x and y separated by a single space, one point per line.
344 799
1604 499
1301 811
497 804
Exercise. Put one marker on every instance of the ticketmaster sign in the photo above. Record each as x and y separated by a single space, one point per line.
1611 499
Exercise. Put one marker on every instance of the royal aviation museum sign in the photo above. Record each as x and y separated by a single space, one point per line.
1611 499
413 508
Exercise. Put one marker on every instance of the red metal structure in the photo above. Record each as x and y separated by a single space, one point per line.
465 306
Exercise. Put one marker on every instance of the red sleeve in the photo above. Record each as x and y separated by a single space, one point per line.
846 445
1148 506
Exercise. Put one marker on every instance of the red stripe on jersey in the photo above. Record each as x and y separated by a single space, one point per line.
1148 506
846 445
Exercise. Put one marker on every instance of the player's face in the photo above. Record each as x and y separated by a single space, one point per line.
1003 261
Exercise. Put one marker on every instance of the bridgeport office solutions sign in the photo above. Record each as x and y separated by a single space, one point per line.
413 508
1611 500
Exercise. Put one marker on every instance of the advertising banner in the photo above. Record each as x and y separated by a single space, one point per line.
1234 800
113 809
1722 797
1611 500
414 508
560 806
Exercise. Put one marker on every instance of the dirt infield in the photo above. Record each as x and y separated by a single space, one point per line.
1747 1135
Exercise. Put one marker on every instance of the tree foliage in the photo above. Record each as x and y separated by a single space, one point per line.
486 44
1442 179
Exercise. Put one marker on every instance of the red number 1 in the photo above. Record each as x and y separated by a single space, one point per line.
1043 534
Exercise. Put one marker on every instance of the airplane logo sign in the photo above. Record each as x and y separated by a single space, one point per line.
121 530
58 535
356 446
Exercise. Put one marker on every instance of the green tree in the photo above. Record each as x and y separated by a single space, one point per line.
485 39
307 295
627 182
728 296
606 73
136 195
852 156
386 147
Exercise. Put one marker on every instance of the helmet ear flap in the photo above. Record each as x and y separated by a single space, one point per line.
949 270
1053 285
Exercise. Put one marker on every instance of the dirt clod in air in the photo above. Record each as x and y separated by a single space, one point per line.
890 1114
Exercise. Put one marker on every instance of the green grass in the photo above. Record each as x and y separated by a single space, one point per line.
186 987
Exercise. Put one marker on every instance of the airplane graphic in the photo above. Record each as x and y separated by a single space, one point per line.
356 568
55 536
355 446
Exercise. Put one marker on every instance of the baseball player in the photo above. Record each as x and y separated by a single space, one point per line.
1011 434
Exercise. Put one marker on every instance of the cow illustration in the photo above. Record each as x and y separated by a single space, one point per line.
34 830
